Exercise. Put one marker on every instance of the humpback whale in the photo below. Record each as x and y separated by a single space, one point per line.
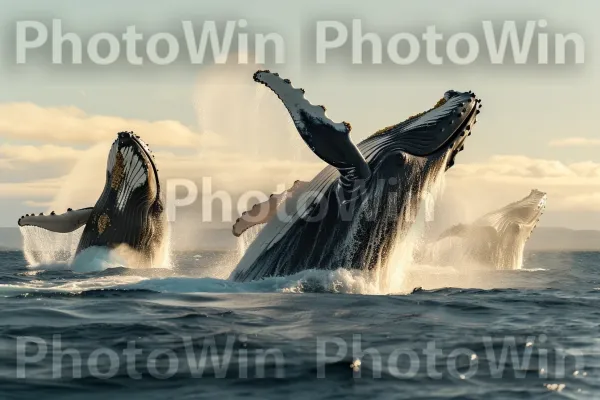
355 210
496 239
129 211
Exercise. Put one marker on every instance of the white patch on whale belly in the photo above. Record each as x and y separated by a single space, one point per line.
135 175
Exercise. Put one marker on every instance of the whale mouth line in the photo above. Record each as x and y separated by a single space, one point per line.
434 133
140 145
456 141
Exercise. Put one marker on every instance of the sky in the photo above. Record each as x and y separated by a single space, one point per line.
537 128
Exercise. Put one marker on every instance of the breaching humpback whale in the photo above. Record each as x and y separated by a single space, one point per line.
129 211
355 210
497 239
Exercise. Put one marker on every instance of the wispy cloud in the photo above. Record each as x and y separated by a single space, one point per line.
574 142
515 167
71 125
38 154
570 186
40 189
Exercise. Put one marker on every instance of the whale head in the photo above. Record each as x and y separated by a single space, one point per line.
527 212
517 219
408 158
130 210
439 132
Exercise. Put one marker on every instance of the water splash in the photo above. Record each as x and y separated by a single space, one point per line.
44 247
83 184
246 239
163 256
423 185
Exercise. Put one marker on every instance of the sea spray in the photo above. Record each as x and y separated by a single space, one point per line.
245 240
477 247
410 236
79 187
41 246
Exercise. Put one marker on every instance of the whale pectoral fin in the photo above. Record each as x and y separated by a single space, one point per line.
261 213
60 223
329 140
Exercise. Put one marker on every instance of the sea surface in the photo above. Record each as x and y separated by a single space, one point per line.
188 333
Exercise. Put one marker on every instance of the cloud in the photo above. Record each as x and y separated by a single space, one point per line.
523 168
30 122
11 153
476 188
37 189
582 201
574 142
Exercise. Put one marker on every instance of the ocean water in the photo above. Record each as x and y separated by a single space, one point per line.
183 333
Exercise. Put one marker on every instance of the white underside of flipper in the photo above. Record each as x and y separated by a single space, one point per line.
60 223
262 213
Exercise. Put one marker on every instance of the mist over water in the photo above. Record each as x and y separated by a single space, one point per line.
246 239
82 186
248 119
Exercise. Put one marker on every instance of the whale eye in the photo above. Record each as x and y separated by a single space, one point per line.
158 207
